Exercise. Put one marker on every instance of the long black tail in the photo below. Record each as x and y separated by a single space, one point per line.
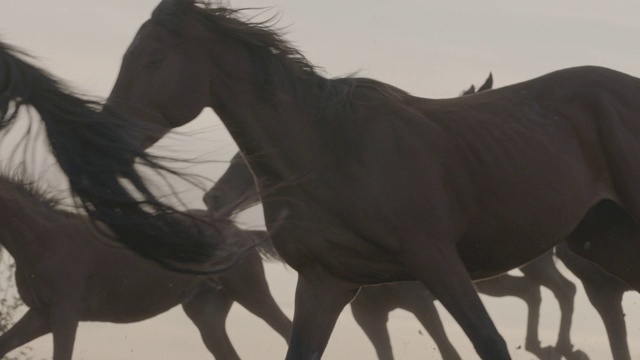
97 150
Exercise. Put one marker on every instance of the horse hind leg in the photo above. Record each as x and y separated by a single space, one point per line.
247 285
605 293
445 276
373 321
609 306
608 236
258 300
528 290
208 310
544 272
420 302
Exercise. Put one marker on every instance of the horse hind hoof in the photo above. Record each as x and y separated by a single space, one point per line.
577 355
548 353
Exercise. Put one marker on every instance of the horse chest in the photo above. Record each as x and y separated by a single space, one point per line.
331 248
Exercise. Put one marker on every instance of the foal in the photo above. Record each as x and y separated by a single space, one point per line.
67 272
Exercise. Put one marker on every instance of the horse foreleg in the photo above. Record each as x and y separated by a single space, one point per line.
208 310
319 301
31 325
443 273
373 321
64 321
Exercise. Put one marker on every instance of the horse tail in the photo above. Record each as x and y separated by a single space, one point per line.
97 151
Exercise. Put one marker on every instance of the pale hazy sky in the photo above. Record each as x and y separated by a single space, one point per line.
430 48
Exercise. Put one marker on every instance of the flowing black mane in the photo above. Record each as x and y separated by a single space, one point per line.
280 64
260 37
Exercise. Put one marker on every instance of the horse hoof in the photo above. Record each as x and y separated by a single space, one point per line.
549 353
577 355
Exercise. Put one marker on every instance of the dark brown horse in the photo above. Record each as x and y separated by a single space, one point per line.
376 185
236 191
66 272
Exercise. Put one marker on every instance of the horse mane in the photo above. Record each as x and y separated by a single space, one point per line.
97 151
271 53
25 183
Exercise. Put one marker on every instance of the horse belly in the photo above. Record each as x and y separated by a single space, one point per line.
509 239
126 298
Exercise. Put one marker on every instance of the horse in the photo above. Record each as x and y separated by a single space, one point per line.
369 184
235 191
67 272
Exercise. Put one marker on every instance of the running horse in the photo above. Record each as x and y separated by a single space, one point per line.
363 183
235 191
66 272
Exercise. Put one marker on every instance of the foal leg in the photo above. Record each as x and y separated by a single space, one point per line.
544 272
605 294
31 325
319 301
443 273
208 310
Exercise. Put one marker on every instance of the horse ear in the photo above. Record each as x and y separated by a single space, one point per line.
471 90
179 2
172 6
488 84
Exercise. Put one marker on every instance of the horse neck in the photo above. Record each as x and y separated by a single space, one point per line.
273 134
